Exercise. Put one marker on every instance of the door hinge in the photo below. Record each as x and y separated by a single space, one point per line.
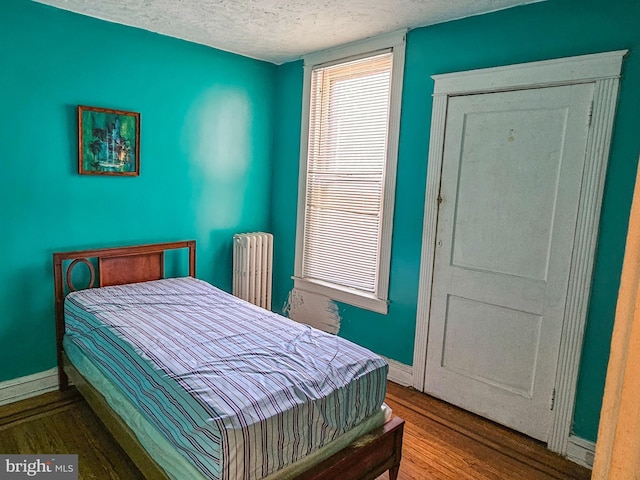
590 114
553 398
439 199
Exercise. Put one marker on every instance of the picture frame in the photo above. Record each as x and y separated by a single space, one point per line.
108 142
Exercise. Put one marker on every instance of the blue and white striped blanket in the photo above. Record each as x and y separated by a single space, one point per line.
239 391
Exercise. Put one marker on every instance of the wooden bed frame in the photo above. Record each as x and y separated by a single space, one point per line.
364 459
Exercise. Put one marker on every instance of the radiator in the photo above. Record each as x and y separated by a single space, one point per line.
252 263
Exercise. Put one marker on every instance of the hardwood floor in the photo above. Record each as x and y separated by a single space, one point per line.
58 423
441 442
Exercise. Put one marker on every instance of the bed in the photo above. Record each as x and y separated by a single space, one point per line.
201 425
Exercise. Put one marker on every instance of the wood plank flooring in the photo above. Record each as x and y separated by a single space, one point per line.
58 423
441 442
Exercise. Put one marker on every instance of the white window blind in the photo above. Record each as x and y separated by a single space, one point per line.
346 158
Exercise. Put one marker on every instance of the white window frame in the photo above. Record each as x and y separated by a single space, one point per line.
377 302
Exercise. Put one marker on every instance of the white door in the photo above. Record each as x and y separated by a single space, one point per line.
511 176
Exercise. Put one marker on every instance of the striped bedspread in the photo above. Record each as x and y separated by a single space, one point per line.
239 391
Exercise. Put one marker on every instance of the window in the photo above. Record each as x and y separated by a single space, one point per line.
347 176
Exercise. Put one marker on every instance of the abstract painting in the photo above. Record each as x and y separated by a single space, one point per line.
109 142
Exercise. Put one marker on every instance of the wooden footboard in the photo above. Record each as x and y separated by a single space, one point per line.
364 459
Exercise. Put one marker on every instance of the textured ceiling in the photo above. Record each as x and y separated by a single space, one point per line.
278 30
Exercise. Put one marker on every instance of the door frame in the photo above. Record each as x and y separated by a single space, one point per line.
603 70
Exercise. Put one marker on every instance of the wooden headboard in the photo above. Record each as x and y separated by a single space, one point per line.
116 266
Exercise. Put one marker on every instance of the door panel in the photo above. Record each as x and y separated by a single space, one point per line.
498 174
511 176
478 336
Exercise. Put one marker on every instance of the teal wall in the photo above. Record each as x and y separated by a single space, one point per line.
220 152
551 29
205 156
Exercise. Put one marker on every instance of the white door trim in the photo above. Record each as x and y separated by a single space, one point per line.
604 71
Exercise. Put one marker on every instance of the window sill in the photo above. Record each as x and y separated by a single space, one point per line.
342 294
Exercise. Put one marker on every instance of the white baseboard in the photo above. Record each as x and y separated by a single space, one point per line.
581 451
29 386
400 373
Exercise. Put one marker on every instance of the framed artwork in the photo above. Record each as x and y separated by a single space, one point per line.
108 142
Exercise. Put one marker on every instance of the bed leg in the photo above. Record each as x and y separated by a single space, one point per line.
393 472
63 380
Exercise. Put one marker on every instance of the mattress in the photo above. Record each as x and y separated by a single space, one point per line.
238 391
170 460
